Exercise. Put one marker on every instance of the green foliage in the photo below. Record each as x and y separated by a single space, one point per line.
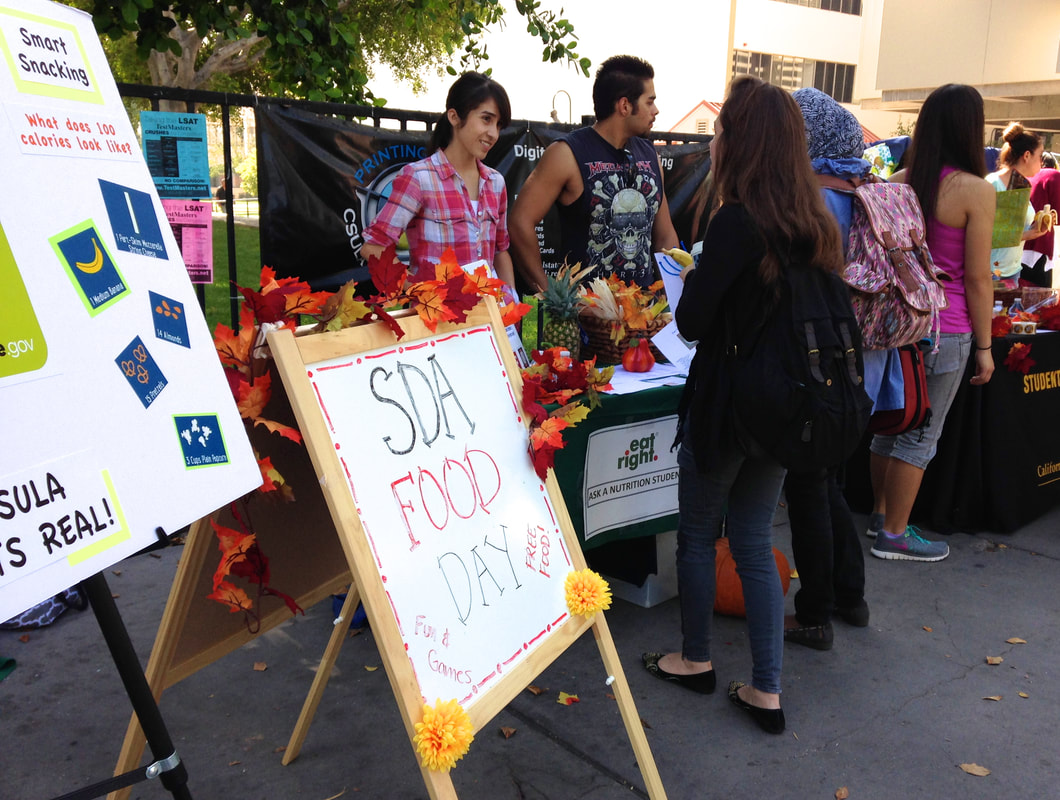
902 128
248 171
313 49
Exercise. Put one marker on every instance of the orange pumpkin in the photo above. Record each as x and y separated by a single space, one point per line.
728 592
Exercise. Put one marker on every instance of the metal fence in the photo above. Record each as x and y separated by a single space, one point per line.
193 99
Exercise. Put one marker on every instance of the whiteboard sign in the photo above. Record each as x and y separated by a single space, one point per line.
117 418
462 531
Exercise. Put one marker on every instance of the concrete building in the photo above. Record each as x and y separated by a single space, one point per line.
881 58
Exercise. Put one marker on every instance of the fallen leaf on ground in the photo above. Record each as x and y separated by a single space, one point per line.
535 690
644 723
370 669
507 732
260 666
24 638
1024 695
842 793
994 660
995 697
928 628
115 572
1016 640
280 749
233 763
354 632
567 699
795 735
609 696
975 769
336 796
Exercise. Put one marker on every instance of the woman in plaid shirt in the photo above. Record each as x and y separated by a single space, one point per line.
451 199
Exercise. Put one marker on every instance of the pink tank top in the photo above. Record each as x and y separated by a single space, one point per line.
947 249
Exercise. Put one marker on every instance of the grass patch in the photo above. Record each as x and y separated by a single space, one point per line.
248 264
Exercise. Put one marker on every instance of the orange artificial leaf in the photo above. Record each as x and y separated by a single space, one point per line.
513 312
272 480
252 397
286 431
232 596
447 267
234 348
481 282
1016 640
548 433
535 690
260 666
234 547
994 660
428 298
567 699
975 769
507 732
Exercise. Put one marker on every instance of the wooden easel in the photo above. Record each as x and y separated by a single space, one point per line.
292 357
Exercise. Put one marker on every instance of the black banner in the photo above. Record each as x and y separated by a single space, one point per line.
323 179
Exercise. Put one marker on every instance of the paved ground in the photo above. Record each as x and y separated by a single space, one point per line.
891 712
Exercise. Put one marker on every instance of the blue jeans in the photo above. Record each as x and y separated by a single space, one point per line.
748 485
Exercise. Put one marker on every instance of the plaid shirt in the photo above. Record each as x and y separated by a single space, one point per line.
428 200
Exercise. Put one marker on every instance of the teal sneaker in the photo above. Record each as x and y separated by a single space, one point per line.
908 546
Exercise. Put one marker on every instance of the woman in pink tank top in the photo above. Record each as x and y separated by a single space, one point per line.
946 169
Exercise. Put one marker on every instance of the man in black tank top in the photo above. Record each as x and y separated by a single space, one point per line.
606 183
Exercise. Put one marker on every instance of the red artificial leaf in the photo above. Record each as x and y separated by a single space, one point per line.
531 392
457 300
1019 358
266 307
298 296
1049 318
388 273
254 566
389 321
1000 326
287 599
429 300
543 459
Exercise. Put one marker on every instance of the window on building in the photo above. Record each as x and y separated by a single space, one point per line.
842 6
703 126
792 72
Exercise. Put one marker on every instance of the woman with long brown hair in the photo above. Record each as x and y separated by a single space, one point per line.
771 219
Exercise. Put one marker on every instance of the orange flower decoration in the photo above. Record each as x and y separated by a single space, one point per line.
444 735
586 593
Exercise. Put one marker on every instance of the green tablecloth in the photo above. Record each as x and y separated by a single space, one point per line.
616 415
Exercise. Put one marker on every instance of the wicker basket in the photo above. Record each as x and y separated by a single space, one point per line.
606 350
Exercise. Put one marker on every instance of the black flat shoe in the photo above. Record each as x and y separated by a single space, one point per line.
771 720
701 682
858 616
819 637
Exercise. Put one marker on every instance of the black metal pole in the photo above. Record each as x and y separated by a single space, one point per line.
132 675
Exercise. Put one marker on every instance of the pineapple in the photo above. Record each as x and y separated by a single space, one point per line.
561 304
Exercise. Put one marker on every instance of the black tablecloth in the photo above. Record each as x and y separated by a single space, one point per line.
998 461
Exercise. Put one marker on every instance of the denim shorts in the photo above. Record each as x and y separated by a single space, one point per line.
944 369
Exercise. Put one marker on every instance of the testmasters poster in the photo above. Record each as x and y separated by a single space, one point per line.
117 419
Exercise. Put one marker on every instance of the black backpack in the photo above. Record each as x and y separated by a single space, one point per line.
797 375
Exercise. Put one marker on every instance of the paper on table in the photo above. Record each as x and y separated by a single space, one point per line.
623 382
674 346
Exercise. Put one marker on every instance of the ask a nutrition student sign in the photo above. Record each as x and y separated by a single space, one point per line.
116 418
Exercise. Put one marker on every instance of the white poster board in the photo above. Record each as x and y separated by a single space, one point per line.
461 529
117 418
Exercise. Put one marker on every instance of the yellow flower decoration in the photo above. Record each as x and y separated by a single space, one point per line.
587 593
444 735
